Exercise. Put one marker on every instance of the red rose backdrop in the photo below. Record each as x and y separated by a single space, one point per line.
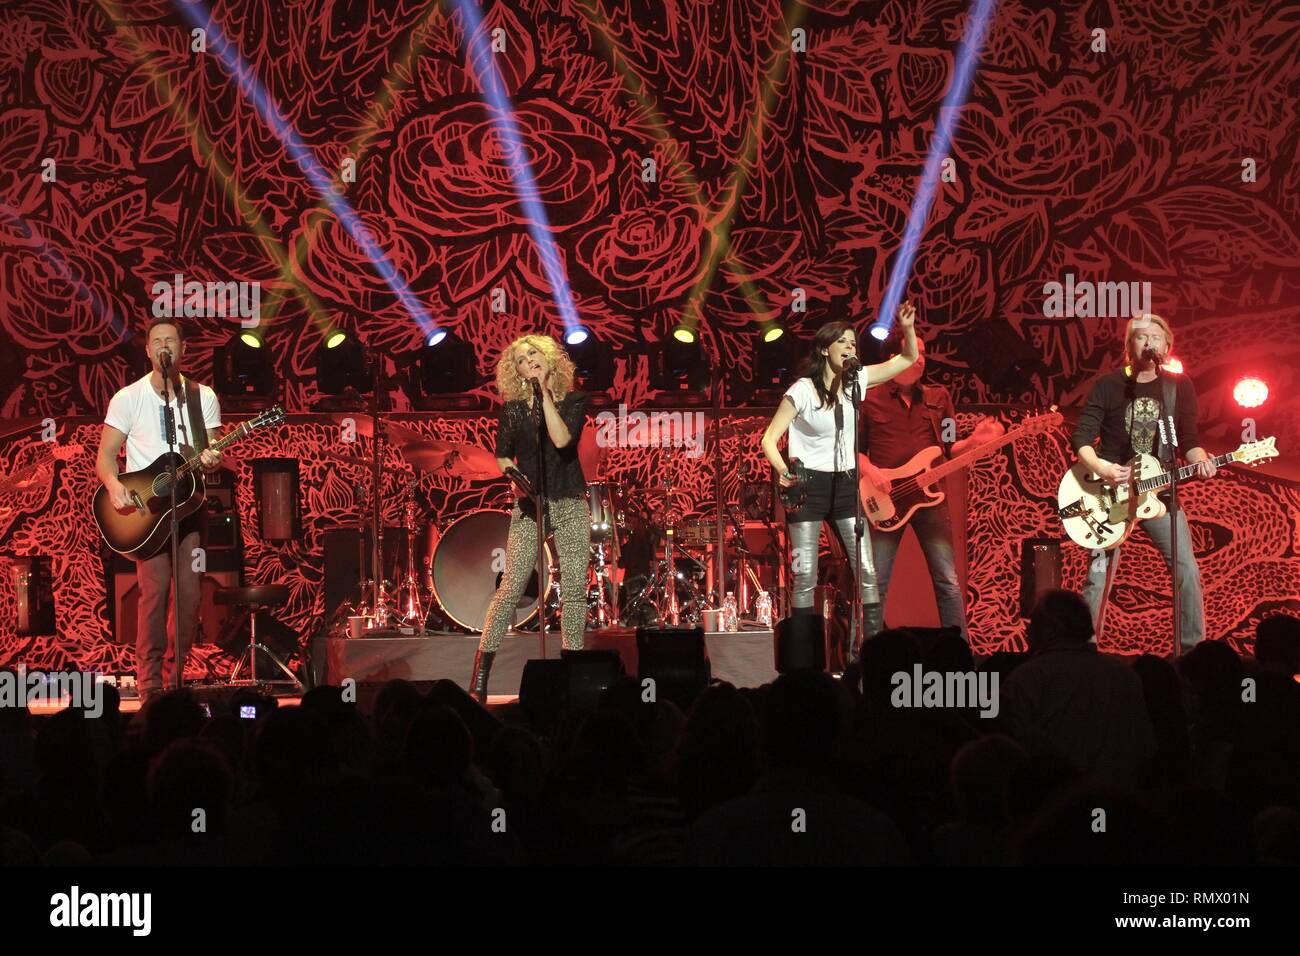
731 161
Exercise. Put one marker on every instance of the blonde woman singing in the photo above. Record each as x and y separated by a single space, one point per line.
535 376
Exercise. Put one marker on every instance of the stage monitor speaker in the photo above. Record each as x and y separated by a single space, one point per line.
1040 570
590 672
801 643
35 591
676 659
542 692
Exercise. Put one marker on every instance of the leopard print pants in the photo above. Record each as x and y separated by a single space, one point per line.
571 522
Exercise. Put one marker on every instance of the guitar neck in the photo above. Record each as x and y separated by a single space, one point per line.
229 438
1156 482
940 472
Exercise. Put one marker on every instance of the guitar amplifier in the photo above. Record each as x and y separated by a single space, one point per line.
224 570
1040 570
35 592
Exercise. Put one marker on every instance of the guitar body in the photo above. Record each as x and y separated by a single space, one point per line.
144 531
1097 514
890 511
794 497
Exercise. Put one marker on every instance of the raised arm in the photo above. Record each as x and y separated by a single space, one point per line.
882 372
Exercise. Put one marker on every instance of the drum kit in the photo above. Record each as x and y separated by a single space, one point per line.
648 565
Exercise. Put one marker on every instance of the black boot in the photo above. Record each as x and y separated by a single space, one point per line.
873 619
873 622
479 679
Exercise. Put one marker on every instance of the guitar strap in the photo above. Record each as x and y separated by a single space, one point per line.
194 408
1170 399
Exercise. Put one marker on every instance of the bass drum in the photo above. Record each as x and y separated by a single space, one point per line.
469 561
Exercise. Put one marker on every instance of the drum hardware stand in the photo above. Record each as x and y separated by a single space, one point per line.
720 552
410 604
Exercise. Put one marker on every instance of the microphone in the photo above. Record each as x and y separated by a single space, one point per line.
1152 358
851 365
165 359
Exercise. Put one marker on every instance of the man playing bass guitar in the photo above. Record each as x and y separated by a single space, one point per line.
902 418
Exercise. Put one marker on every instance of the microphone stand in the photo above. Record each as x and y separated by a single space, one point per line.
169 425
1169 439
539 502
859 522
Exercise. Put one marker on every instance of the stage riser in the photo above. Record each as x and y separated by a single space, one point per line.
744 658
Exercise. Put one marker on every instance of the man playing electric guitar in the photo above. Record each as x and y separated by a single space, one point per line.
902 418
135 416
1126 409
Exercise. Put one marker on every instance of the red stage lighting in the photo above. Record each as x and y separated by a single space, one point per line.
1250 393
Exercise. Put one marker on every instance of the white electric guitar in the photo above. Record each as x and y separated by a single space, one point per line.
1098 514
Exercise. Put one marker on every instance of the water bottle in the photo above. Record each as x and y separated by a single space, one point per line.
763 609
729 612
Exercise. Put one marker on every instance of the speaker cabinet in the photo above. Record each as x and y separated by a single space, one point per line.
224 570
1040 570
35 592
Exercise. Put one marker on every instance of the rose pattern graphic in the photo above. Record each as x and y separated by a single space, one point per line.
775 171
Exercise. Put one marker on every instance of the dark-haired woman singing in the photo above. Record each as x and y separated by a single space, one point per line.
818 413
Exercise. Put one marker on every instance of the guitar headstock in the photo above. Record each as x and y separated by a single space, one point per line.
270 416
1041 423
66 452
1256 451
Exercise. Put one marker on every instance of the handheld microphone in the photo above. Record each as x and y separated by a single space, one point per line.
1152 358
851 364
165 359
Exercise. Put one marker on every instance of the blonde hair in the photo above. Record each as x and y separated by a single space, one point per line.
514 387
1147 319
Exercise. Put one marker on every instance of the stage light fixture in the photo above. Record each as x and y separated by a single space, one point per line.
879 333
576 336
1250 392
774 356
594 362
341 364
244 368
677 364
448 365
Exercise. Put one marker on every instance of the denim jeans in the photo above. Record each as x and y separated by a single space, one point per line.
1189 576
933 528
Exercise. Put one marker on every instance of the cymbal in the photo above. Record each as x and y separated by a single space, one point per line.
455 458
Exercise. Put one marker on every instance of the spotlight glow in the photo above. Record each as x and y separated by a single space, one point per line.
879 333
684 334
251 339
437 337
774 333
1250 393
576 336
335 339
963 69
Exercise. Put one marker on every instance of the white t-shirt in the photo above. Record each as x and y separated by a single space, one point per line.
812 433
137 412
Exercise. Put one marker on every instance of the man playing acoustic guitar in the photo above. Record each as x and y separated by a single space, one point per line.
135 416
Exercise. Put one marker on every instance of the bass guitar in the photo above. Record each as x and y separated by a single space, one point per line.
142 530
1098 514
913 486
